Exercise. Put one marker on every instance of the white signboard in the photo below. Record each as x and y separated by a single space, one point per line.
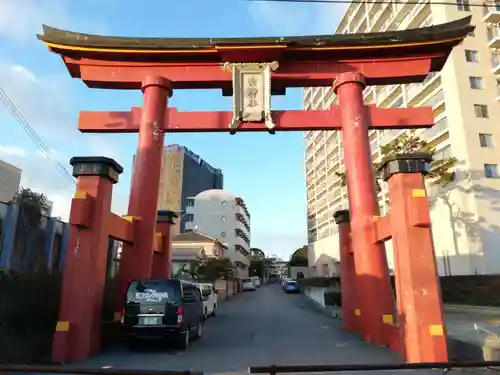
151 295
252 93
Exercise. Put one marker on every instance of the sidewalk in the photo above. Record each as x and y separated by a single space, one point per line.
467 328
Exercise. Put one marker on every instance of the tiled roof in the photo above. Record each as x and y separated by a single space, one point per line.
187 252
450 30
193 237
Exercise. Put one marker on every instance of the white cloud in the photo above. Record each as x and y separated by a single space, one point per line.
40 175
281 18
12 151
45 103
20 20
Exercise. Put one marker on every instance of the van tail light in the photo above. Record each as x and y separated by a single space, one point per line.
122 319
179 316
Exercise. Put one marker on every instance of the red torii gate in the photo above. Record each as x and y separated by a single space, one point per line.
252 69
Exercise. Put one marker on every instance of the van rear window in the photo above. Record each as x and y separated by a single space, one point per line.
153 291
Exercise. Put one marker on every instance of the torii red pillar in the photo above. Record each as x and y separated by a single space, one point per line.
78 329
374 292
420 307
136 261
348 286
162 260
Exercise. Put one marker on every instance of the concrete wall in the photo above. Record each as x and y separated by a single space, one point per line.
56 237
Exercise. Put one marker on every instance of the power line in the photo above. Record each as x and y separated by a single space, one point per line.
14 111
463 3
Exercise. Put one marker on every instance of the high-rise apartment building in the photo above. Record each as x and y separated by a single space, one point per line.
221 215
184 174
465 97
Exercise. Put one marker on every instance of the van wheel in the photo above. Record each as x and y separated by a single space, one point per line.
205 315
183 340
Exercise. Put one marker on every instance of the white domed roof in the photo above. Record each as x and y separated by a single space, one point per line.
215 194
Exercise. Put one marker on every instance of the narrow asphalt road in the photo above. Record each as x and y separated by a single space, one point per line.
264 327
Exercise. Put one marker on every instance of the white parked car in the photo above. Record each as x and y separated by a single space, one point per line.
248 284
210 300
256 281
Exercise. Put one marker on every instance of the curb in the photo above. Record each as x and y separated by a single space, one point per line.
332 314
487 310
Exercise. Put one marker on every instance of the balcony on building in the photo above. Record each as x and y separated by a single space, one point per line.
439 128
241 234
491 13
493 36
240 203
189 206
495 64
242 249
242 219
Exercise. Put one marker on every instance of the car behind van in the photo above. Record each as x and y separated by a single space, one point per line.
248 284
210 299
165 309
256 281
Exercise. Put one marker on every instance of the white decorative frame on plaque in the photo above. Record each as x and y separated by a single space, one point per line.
251 93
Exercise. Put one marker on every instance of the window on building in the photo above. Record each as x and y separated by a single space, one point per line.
223 234
486 140
223 203
463 5
481 111
491 171
471 34
223 218
476 83
189 217
190 202
471 56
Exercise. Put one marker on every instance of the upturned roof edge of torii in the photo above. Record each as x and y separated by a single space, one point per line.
448 33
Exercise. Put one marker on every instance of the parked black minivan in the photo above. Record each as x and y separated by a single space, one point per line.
166 309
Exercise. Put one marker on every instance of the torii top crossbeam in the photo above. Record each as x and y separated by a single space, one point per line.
195 63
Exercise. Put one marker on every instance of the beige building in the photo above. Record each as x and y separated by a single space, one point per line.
187 247
170 190
184 174
10 181
465 98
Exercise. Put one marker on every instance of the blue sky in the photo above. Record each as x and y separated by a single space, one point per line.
267 171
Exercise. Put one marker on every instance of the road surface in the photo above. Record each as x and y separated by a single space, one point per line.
258 328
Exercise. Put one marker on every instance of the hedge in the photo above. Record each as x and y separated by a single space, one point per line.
28 316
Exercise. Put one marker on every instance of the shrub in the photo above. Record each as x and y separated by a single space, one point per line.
28 316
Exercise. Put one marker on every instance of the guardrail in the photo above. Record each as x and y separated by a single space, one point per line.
446 366
8 369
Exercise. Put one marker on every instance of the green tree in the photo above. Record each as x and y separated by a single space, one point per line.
299 258
409 142
29 236
257 254
207 269
213 269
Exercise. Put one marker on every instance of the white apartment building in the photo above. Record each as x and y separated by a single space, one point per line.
10 181
465 97
221 215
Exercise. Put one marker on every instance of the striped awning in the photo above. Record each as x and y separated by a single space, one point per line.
182 252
